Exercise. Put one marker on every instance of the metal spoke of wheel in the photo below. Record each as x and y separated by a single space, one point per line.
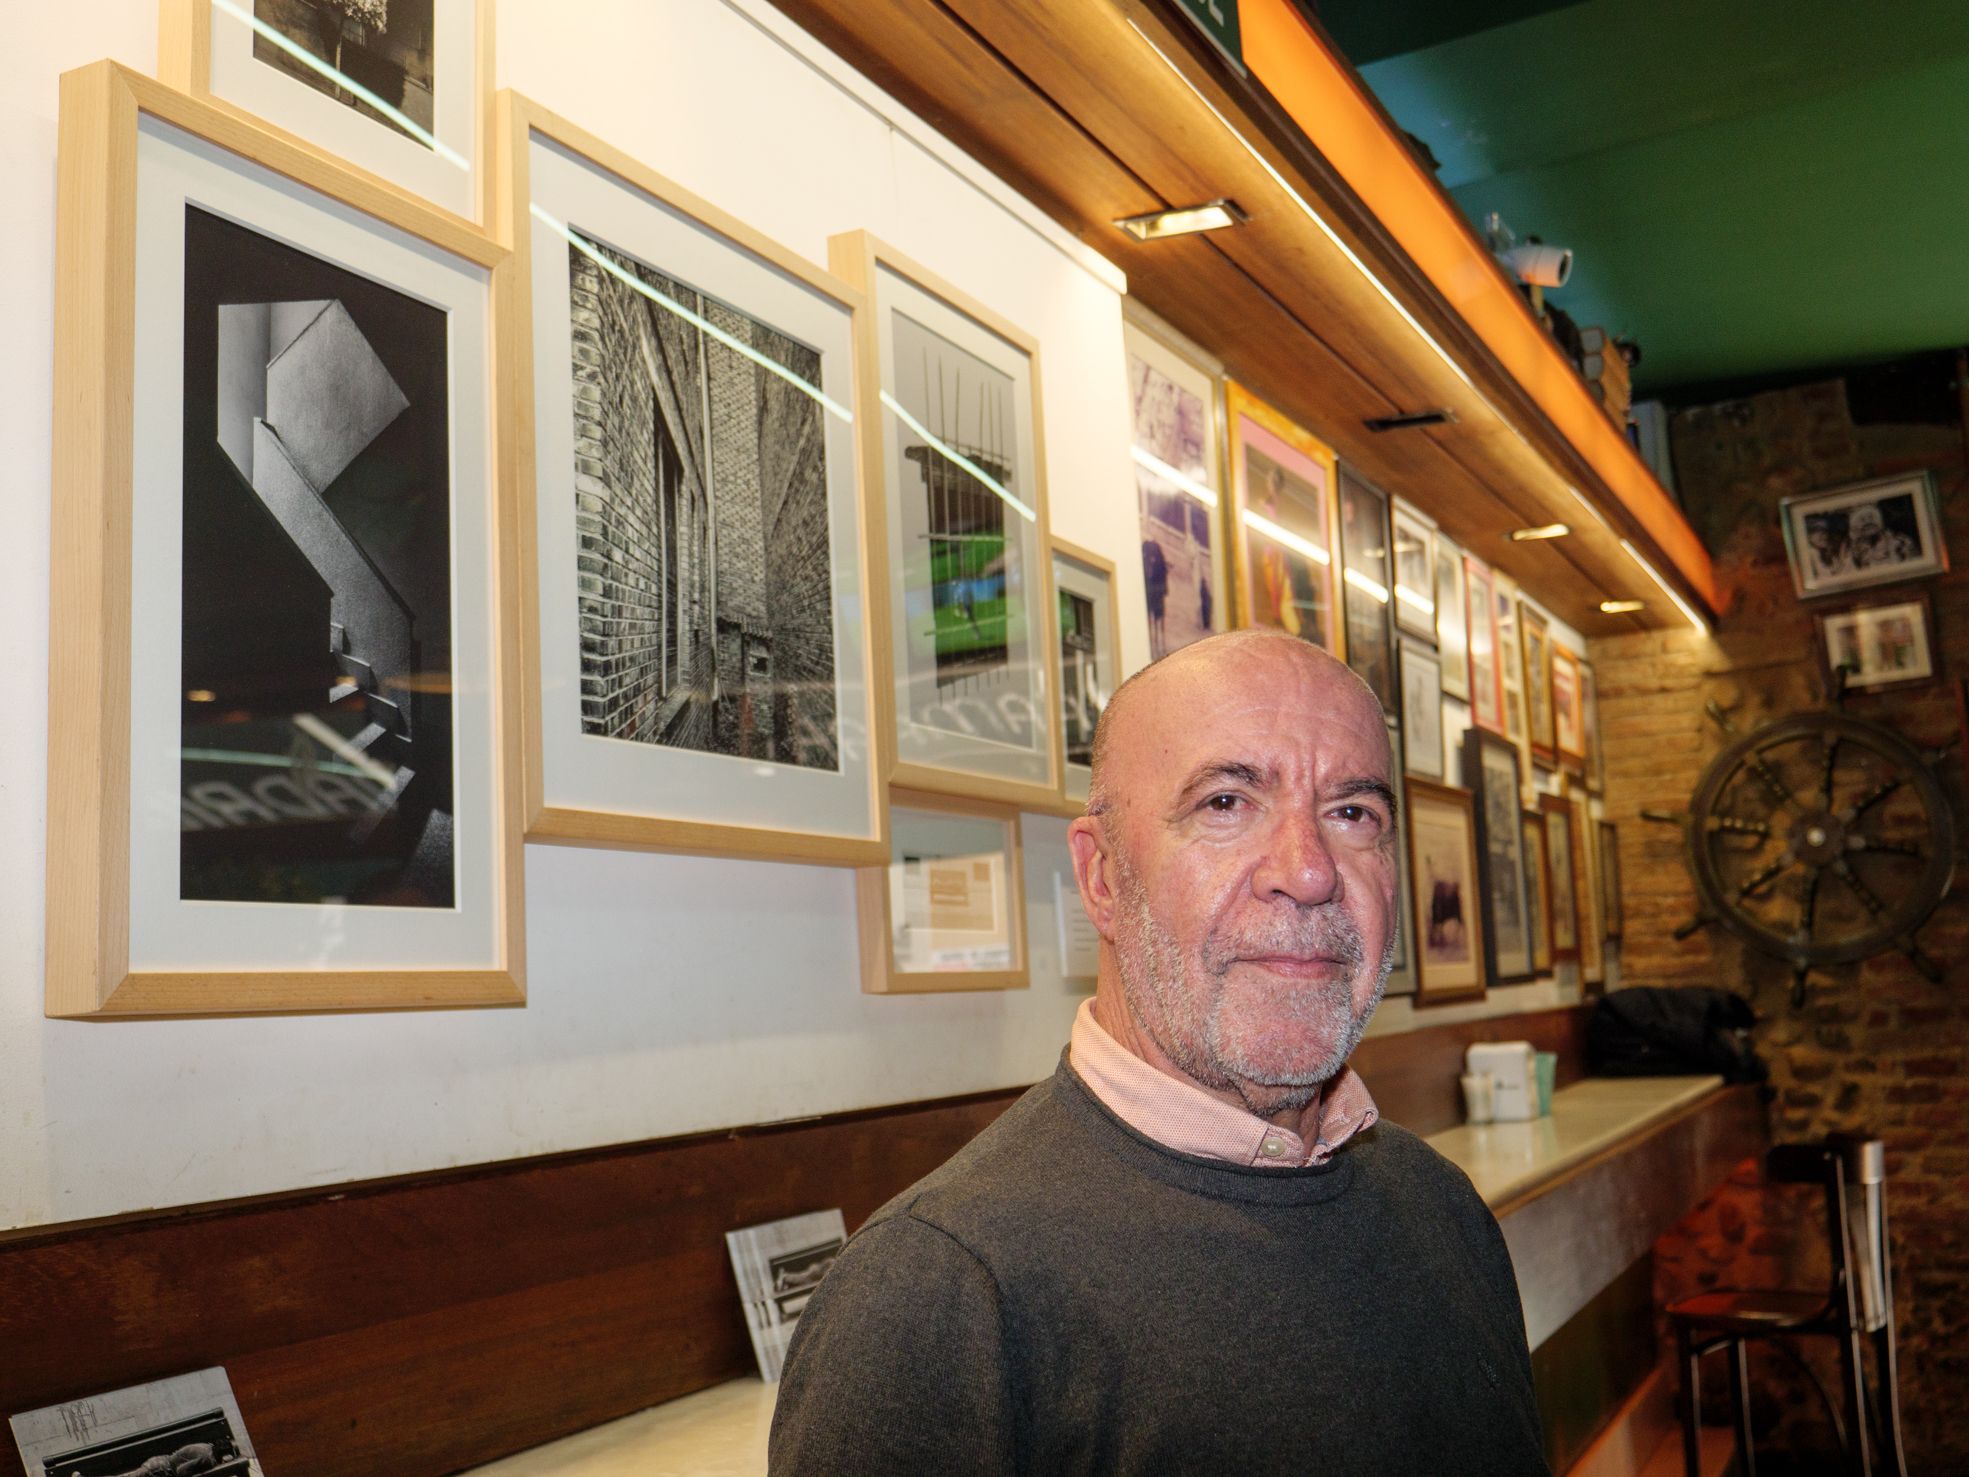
1872 798
1891 848
1825 779
1776 869
1738 825
1761 767
1859 889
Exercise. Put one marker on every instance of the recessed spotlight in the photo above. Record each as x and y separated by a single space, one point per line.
1212 215
1543 531
1622 607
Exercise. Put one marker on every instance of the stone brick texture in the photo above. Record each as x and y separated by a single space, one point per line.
1876 1046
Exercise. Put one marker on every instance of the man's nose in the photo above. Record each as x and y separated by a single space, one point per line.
1297 864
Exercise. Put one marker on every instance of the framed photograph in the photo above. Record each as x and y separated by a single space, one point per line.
1538 891
1869 533
1876 646
1490 770
1557 816
953 442
1568 707
695 556
1422 710
1511 675
1173 407
398 90
1452 619
1610 879
282 778
1089 623
948 910
187 1423
1536 632
1401 970
1586 888
1447 880
1365 581
1415 571
1486 671
1282 509
777 1266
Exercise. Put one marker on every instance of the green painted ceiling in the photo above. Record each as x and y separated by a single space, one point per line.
1750 187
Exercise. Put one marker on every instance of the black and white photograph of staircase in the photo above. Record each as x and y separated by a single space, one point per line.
317 713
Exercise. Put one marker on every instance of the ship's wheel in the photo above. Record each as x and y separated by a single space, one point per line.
1819 839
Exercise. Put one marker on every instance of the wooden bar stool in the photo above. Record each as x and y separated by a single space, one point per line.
1852 1169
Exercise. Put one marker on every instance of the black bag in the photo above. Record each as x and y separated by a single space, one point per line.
1646 1031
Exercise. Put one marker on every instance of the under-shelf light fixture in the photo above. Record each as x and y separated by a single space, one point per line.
1184 220
1622 607
1540 533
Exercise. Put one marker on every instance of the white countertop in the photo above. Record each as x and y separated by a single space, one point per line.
721 1432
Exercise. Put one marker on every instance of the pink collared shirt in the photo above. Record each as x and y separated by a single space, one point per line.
1189 1120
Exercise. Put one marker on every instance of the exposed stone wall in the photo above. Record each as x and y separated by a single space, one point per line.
1876 1047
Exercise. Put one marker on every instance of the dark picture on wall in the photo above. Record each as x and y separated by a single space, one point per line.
1559 868
316 645
1490 767
1172 435
1870 533
1366 583
700 487
384 47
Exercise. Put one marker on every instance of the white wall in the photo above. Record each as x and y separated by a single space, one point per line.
666 994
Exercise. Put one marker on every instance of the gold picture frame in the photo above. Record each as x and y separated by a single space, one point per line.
1271 597
928 834
107 955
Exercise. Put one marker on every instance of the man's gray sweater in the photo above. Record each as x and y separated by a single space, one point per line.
1068 1296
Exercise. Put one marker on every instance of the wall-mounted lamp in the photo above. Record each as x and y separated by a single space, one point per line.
1212 215
1543 531
1622 607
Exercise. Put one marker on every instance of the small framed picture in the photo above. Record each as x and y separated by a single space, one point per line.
1282 516
186 1423
1536 633
1557 816
398 89
1589 708
1876 646
1089 623
1365 581
953 452
1568 707
1585 844
1415 571
1511 669
1447 880
1869 533
1610 880
778 1266
1422 710
1174 413
1490 769
948 911
1486 675
1538 891
1452 619
1401 970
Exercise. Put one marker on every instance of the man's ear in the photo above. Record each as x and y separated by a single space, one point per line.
1093 870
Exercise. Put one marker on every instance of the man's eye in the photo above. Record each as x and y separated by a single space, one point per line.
1354 814
1223 803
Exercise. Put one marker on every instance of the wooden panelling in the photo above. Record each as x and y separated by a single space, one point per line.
1413 1074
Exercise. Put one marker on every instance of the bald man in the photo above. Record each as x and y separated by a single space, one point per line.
1193 1248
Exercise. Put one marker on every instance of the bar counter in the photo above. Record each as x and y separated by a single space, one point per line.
1580 1194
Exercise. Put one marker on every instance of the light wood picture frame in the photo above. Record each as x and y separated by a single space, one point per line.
1568 708
1538 889
1586 887
1284 536
1447 878
1367 585
954 865
1422 710
205 857
1594 764
1610 892
1511 670
1535 628
1486 662
1562 874
1414 544
958 502
431 140
703 671
1088 619
1452 619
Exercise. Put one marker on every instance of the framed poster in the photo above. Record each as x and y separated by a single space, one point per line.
1536 631
1486 671
955 448
1422 710
947 912
1365 581
1568 707
1876 646
695 556
1415 571
1511 674
1559 867
1490 770
1282 511
1610 879
398 90
1089 623
1401 968
1589 723
1585 844
1452 619
1174 418
1869 533
1538 891
189 1418
1447 880
282 780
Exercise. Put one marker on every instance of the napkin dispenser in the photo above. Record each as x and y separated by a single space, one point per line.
1513 1074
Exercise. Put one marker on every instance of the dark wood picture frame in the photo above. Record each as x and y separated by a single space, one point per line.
1563 915
1367 568
1490 773
1610 908
1430 804
1538 890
